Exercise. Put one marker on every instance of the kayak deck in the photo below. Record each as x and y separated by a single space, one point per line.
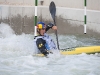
78 50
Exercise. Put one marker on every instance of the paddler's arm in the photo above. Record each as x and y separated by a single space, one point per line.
41 46
51 25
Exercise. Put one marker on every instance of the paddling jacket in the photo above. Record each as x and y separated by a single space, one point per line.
40 45
44 43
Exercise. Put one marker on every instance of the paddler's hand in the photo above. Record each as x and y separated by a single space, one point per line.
54 27
46 53
51 25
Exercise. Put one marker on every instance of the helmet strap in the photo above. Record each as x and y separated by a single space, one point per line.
38 31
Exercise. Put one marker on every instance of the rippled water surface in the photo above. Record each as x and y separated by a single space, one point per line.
16 56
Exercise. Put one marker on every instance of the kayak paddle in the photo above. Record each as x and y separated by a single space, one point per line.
52 9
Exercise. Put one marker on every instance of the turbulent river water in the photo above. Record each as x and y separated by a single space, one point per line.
16 56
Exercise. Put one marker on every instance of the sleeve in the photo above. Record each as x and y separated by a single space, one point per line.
41 46
48 26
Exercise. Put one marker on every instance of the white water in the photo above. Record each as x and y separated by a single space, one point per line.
16 56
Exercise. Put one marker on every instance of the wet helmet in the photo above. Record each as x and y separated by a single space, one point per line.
41 25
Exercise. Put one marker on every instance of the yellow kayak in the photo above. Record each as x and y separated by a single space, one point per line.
78 50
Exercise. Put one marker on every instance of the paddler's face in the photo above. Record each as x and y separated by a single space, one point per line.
42 31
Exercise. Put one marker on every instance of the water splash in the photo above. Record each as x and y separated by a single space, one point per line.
16 56
5 30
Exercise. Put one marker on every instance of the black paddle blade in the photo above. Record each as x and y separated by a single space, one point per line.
52 9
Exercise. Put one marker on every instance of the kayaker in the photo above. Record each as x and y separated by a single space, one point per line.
43 41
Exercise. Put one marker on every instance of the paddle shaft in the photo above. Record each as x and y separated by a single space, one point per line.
56 34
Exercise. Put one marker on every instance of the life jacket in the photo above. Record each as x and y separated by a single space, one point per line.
50 45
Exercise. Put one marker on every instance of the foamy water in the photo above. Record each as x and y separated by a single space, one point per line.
16 56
